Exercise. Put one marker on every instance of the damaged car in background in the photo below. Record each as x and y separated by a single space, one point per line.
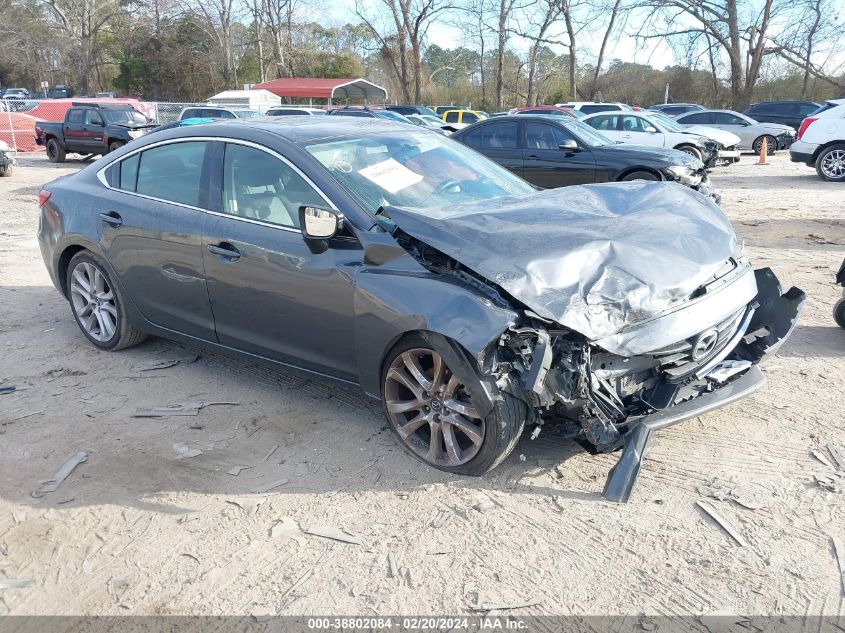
469 303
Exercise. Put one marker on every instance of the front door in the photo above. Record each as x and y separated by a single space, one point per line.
271 294
548 166
150 233
94 131
633 130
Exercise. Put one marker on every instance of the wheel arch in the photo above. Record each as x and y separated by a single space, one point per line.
631 170
825 146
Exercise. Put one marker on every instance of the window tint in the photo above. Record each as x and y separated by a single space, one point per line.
284 112
469 117
502 135
725 118
699 118
352 113
543 136
674 110
76 115
190 113
473 137
608 122
172 172
599 107
259 186
92 117
806 108
451 117
129 173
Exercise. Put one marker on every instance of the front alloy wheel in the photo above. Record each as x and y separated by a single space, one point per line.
432 412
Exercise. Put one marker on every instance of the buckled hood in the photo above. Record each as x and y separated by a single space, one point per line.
593 258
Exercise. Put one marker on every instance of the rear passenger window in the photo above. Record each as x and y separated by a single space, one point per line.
503 135
451 117
172 172
704 117
607 123
129 173
76 115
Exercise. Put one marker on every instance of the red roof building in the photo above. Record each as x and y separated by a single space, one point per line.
331 89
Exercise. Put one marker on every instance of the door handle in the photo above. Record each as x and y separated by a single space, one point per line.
532 157
224 249
112 218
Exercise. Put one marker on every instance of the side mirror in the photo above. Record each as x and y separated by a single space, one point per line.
319 224
651 129
569 145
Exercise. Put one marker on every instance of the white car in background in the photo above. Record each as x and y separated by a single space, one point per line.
591 107
728 142
294 111
639 128
752 134
821 141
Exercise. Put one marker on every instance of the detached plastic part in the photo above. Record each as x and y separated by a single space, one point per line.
620 481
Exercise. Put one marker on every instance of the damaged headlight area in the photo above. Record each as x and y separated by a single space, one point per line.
685 175
611 400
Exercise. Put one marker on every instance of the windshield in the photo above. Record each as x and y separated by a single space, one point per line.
414 169
667 122
125 117
588 135
390 114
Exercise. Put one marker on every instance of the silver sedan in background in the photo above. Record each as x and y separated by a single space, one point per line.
752 133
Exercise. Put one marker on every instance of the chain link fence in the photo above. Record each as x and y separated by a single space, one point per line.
18 116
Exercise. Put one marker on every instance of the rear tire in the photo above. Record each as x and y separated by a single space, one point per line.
429 401
639 175
830 164
115 145
98 305
55 152
839 312
5 173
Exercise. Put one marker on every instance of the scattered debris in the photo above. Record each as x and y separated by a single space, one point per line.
723 522
8 389
828 483
839 550
824 460
67 468
270 454
439 550
270 486
117 586
504 606
236 470
837 455
721 621
334 534
301 581
392 570
191 556
750 496
164 364
15 583
647 625
4 551
536 432
441 518
485 506
714 492
18 516
183 408
522 457
183 451
61 372
502 575
284 527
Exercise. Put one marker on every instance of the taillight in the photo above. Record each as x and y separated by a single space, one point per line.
43 197
804 125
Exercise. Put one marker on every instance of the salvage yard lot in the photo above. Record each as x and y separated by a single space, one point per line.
143 527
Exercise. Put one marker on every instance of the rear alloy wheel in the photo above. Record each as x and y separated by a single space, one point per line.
830 164
97 305
429 408
55 152
772 145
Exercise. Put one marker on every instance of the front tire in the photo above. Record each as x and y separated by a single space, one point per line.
434 418
839 313
830 164
692 151
639 175
7 172
55 152
98 306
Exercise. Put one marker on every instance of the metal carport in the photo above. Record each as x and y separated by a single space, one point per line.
330 89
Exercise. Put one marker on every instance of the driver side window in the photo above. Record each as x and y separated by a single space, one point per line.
259 186
93 118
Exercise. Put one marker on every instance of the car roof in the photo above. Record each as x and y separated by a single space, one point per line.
296 129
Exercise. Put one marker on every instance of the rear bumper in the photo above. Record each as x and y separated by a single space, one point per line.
772 322
801 152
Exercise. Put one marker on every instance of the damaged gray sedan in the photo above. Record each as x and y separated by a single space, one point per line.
397 260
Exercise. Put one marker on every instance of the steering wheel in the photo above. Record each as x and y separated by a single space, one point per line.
448 184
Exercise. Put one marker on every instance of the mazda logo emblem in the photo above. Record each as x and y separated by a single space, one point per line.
704 344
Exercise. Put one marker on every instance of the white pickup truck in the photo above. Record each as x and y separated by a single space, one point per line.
821 141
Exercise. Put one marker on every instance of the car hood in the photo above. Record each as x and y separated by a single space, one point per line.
594 258
647 152
723 137
779 127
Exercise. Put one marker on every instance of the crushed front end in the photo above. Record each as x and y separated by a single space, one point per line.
613 392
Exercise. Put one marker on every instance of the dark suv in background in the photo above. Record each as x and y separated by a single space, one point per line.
786 112
413 109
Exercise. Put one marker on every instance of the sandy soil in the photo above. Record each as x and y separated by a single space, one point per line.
135 530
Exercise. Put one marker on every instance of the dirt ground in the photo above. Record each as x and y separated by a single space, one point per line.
137 530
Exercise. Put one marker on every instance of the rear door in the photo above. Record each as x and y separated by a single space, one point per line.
607 124
73 130
499 141
151 233
548 166
271 295
734 124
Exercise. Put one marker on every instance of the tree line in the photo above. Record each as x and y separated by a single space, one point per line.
510 52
